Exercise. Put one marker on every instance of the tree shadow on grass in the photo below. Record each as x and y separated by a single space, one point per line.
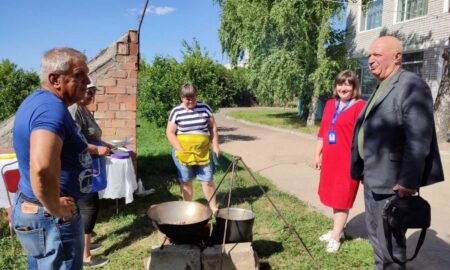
150 168
265 249
241 195
140 227
290 117
244 190
158 172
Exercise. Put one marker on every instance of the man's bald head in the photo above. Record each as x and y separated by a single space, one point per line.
385 56
390 42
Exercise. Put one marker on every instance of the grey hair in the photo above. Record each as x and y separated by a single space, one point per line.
188 90
58 61
399 46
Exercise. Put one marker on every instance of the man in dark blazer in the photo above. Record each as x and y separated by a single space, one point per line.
394 146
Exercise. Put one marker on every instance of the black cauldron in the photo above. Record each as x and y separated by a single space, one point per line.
181 221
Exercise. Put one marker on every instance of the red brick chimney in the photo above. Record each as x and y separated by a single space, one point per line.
114 72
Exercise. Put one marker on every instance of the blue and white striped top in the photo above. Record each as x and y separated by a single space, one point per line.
193 121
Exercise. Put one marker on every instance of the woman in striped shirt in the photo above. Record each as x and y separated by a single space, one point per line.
190 130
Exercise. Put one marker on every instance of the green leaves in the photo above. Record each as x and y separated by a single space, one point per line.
15 85
280 73
160 81
290 44
158 88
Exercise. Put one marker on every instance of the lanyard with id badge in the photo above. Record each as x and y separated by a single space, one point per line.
337 112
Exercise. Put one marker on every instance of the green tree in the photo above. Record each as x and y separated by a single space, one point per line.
199 69
289 43
237 85
15 85
160 81
158 86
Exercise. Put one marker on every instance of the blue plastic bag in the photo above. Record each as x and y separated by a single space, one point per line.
98 172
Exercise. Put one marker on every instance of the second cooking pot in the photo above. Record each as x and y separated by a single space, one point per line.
239 227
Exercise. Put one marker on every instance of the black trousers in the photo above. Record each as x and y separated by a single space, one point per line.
89 206
374 204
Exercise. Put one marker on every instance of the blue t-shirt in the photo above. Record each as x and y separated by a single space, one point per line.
44 110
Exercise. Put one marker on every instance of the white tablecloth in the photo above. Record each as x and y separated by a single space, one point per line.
3 199
121 180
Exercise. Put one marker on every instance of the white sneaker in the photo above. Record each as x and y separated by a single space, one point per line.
333 246
327 236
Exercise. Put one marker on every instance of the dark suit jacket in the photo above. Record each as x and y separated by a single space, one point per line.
400 145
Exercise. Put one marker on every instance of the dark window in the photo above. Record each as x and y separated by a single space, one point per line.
413 62
368 81
410 61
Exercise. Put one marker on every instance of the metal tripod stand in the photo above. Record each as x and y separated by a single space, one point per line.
232 167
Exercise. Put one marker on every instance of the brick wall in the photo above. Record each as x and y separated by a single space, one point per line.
114 72
6 135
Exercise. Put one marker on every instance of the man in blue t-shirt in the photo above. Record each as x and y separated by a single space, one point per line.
54 164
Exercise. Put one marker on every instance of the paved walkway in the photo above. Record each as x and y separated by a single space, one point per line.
286 158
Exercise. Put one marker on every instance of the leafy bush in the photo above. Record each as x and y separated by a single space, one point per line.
237 83
15 85
158 87
160 82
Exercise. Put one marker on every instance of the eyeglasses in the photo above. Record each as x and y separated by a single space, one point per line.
189 97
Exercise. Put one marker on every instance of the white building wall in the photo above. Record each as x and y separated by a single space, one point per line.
429 34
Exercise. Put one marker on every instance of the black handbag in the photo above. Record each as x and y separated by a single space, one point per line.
410 212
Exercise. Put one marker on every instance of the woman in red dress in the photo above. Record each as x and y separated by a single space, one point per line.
332 157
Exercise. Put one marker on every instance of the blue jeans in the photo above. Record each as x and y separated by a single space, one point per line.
187 173
50 242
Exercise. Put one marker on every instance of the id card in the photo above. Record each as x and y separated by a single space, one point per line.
331 137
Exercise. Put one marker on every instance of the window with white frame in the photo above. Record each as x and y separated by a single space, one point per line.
413 62
410 9
371 15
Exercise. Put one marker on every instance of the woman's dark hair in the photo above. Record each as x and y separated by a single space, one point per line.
188 90
350 77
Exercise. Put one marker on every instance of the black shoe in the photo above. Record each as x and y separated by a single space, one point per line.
96 262
95 246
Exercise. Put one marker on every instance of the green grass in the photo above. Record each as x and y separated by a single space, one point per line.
128 237
276 117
